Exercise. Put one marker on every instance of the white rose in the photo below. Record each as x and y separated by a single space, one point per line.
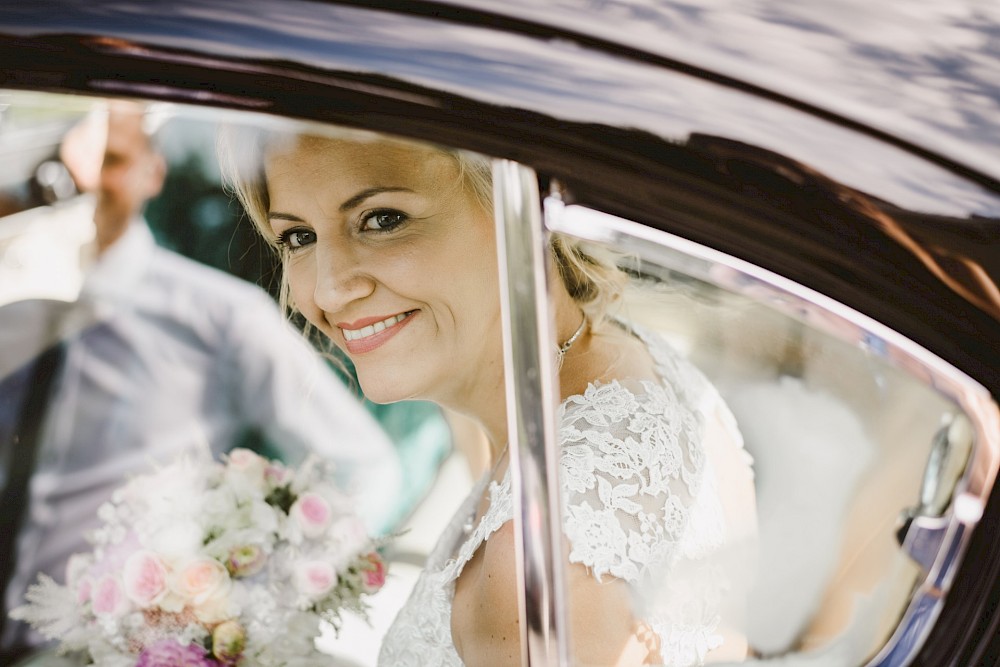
248 463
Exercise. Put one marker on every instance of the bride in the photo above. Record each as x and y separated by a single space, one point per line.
389 249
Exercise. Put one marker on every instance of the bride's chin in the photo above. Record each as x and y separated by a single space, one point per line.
382 390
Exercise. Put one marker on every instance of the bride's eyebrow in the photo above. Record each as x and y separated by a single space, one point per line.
365 194
278 215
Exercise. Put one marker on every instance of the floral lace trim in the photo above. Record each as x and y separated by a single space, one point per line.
421 634
500 510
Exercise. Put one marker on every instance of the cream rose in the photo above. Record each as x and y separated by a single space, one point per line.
77 568
84 589
200 580
248 463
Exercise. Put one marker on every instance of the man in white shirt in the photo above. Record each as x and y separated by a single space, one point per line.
161 355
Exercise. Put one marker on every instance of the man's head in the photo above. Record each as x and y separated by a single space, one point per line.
132 172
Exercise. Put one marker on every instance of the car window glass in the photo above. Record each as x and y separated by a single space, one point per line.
738 468
171 340
771 459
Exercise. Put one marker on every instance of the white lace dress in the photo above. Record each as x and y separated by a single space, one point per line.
640 504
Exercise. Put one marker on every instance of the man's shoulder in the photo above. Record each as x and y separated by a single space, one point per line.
175 273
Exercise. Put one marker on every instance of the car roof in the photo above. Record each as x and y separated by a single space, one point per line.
925 71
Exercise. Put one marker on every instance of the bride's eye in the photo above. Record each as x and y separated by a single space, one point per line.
293 239
383 220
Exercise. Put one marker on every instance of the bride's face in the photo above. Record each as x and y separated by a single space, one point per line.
388 253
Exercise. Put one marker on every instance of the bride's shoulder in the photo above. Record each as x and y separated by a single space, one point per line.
631 370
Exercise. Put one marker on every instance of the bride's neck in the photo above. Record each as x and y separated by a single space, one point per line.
496 437
488 424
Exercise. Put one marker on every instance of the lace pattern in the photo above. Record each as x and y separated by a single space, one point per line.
421 633
640 504
632 467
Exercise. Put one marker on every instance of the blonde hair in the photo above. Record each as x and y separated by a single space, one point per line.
590 273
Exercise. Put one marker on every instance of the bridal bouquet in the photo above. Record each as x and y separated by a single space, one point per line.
205 563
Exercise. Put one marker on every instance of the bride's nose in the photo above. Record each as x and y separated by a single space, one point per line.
340 279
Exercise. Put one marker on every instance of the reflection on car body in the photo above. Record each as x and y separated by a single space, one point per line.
823 249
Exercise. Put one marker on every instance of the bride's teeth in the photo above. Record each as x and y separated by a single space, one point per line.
372 329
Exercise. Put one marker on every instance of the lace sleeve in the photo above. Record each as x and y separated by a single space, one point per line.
632 464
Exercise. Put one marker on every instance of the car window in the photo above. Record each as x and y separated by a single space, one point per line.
706 462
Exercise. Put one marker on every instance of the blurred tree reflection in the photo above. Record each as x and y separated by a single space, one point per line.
195 217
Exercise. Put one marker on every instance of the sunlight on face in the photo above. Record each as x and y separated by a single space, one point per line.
389 254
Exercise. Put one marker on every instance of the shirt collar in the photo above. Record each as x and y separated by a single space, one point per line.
118 270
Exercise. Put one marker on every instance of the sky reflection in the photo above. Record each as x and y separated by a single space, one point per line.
926 70
878 62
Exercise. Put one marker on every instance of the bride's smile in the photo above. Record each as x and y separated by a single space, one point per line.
370 333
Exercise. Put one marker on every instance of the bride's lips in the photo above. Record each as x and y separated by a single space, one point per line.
369 333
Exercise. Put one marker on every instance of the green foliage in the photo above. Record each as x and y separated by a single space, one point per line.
195 217
282 498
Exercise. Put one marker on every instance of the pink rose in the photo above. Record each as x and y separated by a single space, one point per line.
108 598
145 578
312 513
372 572
169 653
201 579
315 578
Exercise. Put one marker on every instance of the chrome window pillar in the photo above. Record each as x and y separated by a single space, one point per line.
531 404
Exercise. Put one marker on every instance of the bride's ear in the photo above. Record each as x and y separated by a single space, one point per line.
590 274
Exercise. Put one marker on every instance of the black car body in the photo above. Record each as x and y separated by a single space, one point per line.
804 141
